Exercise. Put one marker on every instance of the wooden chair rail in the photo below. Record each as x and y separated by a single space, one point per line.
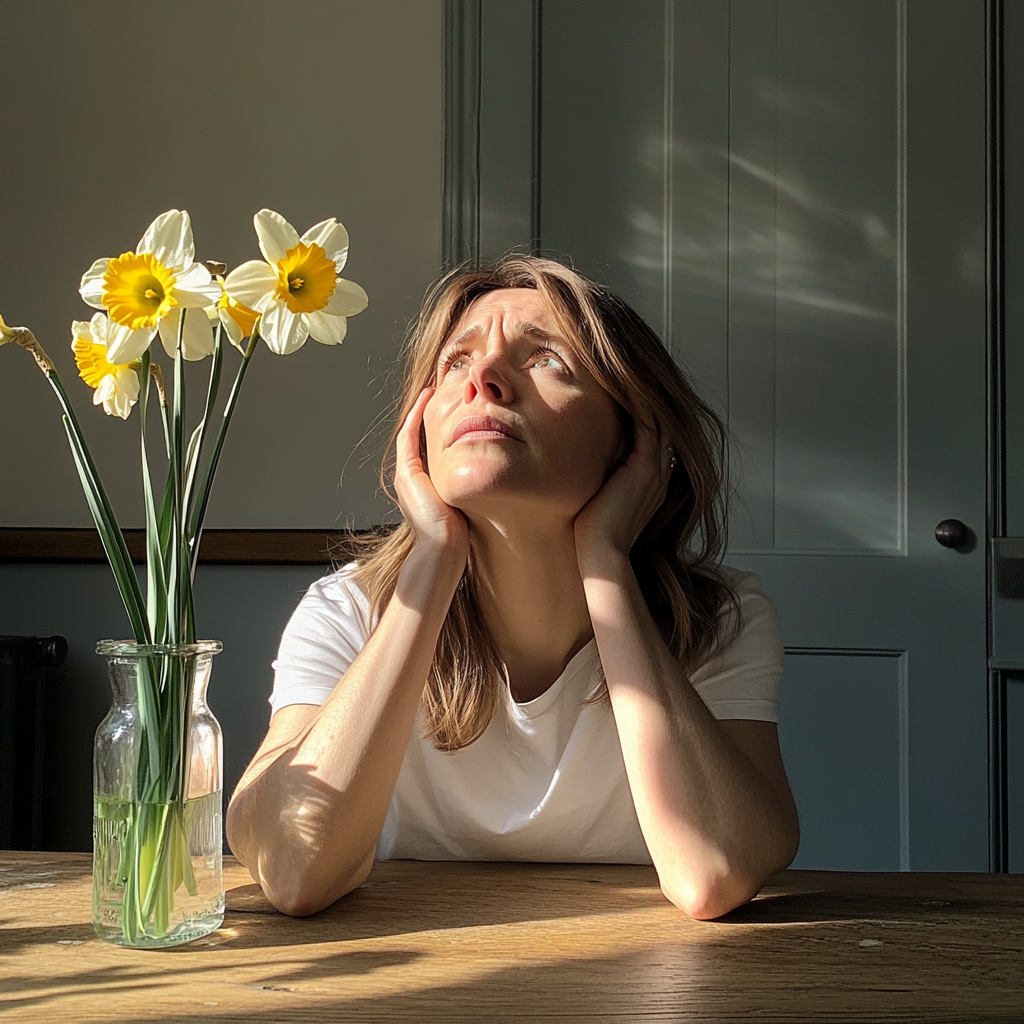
218 547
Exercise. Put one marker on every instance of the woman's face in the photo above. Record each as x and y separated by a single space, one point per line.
516 417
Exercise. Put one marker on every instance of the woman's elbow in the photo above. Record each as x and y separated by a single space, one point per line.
707 900
291 866
722 887
301 893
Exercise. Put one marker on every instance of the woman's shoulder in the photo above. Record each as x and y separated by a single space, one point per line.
758 631
336 596
740 679
742 582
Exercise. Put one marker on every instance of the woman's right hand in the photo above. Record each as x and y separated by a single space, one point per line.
438 527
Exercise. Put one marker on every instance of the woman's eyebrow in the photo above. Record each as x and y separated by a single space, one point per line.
534 331
522 328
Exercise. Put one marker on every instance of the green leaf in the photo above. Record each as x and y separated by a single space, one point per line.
195 528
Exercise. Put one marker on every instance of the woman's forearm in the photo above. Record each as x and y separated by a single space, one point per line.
307 815
714 826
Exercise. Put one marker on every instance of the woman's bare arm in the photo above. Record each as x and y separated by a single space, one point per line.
712 798
307 814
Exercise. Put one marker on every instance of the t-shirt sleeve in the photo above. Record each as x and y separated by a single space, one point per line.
325 633
742 679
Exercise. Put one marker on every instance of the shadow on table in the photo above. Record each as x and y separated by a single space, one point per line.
402 898
827 896
706 981
142 972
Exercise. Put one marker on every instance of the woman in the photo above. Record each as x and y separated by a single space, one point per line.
544 661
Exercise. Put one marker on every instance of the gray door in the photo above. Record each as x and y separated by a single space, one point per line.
793 193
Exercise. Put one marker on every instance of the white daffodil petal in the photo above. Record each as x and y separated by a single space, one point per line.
169 239
104 389
94 330
117 392
328 330
197 339
231 328
196 278
125 345
347 300
251 282
80 329
332 238
99 325
91 288
276 235
283 330
198 298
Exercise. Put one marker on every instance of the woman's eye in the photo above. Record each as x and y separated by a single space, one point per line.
453 360
549 359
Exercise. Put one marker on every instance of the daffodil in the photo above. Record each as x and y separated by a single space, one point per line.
116 384
297 291
146 290
236 317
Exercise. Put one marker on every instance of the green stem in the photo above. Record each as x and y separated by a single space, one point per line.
178 584
203 495
103 515
156 584
199 435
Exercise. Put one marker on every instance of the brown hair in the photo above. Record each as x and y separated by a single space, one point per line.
676 557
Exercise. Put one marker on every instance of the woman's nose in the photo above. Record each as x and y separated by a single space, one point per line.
485 375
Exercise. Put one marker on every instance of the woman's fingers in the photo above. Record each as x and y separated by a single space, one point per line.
408 446
434 522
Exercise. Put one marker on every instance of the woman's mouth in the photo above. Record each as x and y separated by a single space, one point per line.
483 428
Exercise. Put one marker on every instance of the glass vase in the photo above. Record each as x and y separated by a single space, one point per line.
157 825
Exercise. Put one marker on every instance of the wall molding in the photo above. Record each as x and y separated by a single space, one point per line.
460 201
217 547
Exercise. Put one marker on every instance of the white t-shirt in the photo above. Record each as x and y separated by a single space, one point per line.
546 780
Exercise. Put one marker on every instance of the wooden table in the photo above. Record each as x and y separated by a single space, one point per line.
520 942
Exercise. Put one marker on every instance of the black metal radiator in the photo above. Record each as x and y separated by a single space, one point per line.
23 664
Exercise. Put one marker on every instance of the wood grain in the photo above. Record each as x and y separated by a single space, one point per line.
221 547
518 942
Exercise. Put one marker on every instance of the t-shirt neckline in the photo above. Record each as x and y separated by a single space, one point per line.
576 664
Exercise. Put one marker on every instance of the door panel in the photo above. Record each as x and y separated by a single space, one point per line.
793 193
849 777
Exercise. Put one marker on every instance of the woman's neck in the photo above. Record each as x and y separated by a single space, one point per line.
531 597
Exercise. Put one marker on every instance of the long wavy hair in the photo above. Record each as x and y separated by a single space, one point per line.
676 558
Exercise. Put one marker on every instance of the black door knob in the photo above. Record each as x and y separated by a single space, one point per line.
951 533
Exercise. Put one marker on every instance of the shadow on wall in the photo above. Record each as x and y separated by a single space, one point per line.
245 607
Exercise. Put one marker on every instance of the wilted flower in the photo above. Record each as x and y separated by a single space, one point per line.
6 334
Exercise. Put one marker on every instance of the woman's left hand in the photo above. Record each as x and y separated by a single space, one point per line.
614 518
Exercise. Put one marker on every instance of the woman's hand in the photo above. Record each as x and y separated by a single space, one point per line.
438 527
614 518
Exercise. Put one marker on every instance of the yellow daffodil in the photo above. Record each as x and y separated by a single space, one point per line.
145 291
297 291
237 318
116 384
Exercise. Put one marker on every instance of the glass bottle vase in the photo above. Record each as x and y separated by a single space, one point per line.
157 825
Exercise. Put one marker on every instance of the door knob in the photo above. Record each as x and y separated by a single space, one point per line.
951 533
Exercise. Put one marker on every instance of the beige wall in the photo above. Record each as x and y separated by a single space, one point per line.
112 111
